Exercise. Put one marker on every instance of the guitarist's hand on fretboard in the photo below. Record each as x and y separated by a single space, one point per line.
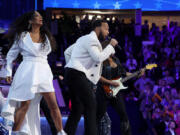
142 72
128 73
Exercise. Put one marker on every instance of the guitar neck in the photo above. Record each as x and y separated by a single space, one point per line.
131 76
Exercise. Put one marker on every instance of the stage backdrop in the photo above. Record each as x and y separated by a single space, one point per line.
145 5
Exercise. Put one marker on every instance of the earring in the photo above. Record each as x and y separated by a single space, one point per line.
29 26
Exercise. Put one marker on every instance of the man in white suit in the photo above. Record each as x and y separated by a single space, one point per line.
84 65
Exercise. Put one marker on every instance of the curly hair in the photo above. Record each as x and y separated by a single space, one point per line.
21 24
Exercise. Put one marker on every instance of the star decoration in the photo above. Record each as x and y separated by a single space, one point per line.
117 5
97 5
159 0
138 5
113 4
178 4
158 5
76 4
55 4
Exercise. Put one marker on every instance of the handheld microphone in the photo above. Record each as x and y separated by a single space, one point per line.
118 46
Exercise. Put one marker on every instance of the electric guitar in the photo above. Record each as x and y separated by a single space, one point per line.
112 91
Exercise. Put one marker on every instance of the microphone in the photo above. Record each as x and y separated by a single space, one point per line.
118 46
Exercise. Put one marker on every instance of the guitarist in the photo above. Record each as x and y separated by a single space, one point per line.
112 68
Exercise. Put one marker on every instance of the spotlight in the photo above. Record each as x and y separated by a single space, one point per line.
78 19
57 16
99 17
90 17
83 16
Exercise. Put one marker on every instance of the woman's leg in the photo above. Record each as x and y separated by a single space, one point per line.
47 113
20 114
104 125
54 109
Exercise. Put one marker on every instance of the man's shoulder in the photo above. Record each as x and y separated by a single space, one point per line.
88 40
90 37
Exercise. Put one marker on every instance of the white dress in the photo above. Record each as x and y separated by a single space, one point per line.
32 77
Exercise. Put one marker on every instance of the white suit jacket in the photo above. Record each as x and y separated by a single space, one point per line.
87 55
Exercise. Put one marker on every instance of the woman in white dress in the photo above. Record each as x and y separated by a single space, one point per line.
33 78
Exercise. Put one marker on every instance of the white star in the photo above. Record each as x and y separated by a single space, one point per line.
117 5
76 4
158 5
97 5
138 5
55 4
159 0
178 4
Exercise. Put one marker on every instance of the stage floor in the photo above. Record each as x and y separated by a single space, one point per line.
45 129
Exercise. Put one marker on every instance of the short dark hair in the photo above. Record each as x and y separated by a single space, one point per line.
97 23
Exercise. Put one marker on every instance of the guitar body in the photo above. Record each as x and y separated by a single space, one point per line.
113 91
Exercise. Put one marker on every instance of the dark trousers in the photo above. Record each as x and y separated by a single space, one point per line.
45 109
83 102
119 106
